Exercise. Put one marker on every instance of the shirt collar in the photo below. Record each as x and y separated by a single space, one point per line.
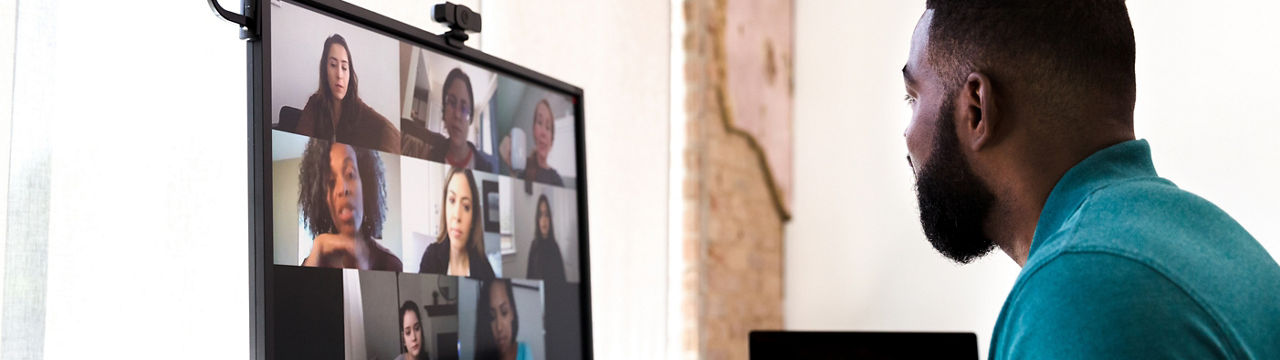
1127 160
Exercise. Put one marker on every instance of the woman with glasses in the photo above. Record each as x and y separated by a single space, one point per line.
458 107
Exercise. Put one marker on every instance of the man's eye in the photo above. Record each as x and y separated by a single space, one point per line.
909 99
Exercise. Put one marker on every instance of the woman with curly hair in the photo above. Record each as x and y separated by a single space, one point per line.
342 195
459 248
335 112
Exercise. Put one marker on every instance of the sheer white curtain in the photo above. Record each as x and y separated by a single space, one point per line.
139 108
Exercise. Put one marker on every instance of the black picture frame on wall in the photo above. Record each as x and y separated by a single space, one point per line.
265 293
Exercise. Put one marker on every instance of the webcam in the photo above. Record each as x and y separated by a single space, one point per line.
460 20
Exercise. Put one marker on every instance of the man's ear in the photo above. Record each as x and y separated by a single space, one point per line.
979 118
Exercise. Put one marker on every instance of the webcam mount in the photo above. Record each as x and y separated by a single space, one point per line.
460 20
247 30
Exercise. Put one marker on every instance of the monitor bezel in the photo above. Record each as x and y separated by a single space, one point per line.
259 131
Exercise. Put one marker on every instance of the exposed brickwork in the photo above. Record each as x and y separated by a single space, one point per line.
733 222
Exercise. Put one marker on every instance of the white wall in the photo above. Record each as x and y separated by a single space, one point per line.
856 257
1207 76
618 53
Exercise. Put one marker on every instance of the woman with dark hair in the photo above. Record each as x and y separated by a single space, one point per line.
459 248
342 196
411 333
335 112
498 323
458 109
545 261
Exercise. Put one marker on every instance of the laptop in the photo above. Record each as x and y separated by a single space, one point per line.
861 345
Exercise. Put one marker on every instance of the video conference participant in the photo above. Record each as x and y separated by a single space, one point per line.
545 261
458 105
342 196
335 112
411 333
498 323
459 248
544 133
1022 138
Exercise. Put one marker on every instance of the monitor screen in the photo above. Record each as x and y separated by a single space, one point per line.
415 200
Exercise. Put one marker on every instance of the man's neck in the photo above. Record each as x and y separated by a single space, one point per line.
1015 216
1014 226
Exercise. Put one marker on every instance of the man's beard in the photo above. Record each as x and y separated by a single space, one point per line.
954 202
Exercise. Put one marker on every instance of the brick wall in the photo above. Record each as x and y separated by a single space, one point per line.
733 207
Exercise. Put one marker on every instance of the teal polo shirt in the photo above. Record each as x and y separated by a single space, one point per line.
1125 265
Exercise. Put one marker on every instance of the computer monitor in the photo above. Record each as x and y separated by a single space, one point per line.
410 198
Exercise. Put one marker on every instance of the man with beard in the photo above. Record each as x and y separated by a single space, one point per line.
1022 138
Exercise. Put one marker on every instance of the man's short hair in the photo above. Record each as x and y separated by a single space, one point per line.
1059 50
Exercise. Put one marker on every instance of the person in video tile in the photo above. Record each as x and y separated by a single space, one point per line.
335 112
458 106
545 261
459 248
498 323
411 347
544 133
342 196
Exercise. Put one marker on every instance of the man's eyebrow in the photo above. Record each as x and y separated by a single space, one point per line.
907 75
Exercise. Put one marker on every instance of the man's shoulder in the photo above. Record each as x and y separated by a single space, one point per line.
1149 220
1070 274
1103 303
1150 204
